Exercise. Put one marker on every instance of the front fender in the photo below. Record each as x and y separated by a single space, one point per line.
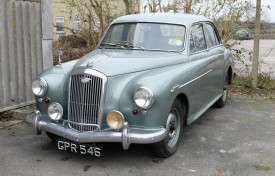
160 82
57 78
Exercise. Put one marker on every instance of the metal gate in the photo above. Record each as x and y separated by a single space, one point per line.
25 48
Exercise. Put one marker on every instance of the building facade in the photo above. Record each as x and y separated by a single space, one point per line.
73 17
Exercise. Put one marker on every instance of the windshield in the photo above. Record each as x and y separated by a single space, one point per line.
145 36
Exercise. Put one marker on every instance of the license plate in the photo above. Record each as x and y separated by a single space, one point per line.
84 149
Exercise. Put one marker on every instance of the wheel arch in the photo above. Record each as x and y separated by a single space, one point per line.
184 102
230 75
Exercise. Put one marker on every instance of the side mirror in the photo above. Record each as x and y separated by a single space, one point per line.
59 54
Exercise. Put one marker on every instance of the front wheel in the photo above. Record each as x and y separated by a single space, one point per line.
221 102
169 145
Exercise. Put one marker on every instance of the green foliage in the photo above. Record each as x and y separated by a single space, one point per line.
248 83
264 81
237 82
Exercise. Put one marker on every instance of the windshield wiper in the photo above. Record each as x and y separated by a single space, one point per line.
114 44
123 45
128 45
134 46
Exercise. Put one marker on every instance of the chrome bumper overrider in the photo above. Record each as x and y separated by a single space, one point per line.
125 137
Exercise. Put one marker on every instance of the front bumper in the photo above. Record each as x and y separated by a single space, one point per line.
126 137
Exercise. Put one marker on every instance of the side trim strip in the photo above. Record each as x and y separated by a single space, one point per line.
181 86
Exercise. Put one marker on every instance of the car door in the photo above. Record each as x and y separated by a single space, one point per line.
216 54
206 68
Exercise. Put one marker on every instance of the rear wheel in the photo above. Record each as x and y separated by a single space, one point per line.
169 145
221 102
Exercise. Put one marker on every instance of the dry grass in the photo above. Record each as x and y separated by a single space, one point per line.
6 116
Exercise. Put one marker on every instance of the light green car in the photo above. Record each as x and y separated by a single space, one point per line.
150 75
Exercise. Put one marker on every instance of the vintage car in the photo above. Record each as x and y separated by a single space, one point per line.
243 34
150 75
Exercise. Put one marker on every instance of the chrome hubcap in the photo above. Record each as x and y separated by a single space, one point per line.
173 126
224 94
225 90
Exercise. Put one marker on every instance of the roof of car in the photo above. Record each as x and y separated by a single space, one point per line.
174 18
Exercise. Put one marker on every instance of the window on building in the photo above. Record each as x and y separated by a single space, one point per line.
59 24
76 24
98 23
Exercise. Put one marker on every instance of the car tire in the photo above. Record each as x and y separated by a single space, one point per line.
169 145
52 136
221 102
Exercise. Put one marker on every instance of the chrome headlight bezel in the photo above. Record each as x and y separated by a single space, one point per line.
59 108
43 86
148 97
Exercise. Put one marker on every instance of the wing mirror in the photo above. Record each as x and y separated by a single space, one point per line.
59 54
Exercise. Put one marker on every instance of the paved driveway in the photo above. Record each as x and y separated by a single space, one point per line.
236 140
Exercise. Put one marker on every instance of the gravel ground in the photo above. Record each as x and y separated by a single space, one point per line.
235 140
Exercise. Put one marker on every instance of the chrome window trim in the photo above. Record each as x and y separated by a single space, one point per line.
206 50
181 86
104 90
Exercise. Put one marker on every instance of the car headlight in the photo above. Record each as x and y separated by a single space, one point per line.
39 87
115 120
144 98
55 111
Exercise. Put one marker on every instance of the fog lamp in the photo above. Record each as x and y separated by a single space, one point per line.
115 120
55 111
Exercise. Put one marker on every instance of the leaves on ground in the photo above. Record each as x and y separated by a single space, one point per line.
252 91
85 168
64 159
158 161
6 116
220 171
262 168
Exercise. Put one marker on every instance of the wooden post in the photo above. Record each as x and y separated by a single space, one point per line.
257 29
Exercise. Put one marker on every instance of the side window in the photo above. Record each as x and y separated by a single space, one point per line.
198 37
212 36
192 46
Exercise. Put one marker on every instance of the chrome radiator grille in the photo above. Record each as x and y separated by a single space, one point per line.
86 99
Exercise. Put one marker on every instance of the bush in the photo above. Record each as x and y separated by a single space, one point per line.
73 47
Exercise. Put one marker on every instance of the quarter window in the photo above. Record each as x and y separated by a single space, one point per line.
198 38
59 24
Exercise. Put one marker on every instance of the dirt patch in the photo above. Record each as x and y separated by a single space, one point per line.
255 92
6 116
12 117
